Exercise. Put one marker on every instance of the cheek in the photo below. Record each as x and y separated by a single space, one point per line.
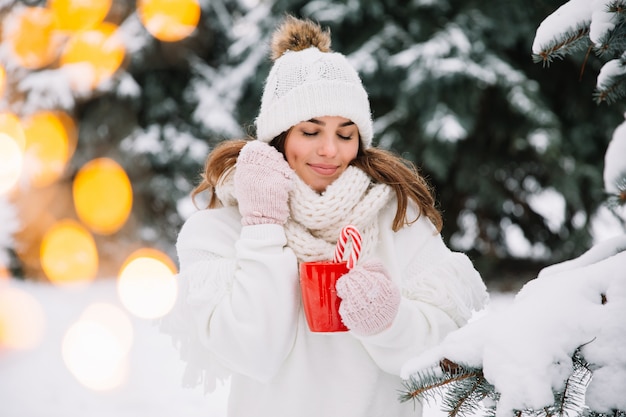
291 158
291 149
295 151
350 151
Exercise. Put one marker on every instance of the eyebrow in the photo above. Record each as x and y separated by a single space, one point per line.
321 123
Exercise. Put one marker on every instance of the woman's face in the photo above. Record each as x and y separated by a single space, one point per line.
319 150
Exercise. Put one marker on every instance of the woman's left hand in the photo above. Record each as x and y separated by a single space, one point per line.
369 299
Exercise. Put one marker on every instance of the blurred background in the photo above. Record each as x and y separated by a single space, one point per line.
113 106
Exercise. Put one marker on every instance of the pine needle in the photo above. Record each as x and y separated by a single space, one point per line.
612 90
559 48
619 198
460 389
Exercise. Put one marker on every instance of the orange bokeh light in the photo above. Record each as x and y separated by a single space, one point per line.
3 79
169 20
22 319
47 147
103 196
31 37
4 273
70 129
75 15
100 52
147 284
11 125
68 253
11 163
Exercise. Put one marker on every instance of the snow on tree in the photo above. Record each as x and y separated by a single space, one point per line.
596 25
156 115
510 150
560 347
451 88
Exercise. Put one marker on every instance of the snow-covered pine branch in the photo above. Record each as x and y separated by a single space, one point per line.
563 32
540 352
598 25
462 389
611 82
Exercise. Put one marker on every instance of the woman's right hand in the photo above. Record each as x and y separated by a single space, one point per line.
263 180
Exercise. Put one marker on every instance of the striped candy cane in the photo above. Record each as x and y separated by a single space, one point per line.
346 233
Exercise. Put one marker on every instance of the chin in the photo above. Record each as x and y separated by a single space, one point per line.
320 188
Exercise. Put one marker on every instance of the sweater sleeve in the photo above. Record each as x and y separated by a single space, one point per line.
440 291
253 329
238 299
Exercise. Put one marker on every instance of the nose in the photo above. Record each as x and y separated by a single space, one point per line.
327 146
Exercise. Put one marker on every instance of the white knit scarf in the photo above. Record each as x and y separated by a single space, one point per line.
316 220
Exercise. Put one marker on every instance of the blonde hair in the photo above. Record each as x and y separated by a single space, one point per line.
382 166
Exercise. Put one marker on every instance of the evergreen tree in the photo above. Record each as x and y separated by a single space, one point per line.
556 350
590 386
597 27
451 87
158 117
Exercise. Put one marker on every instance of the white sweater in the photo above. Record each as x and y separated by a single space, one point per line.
239 289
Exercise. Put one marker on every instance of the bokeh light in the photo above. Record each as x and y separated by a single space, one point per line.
31 37
11 125
147 284
114 319
96 347
103 196
11 161
73 15
47 147
70 129
3 80
22 319
100 50
68 253
169 20
5 274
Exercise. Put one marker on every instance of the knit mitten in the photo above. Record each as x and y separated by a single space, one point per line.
262 182
369 299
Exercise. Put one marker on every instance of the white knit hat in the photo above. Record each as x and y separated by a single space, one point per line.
308 83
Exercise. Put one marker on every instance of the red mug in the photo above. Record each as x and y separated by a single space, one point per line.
319 296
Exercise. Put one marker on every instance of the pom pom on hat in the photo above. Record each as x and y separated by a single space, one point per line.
308 80
296 35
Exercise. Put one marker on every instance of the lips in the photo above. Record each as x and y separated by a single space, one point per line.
324 169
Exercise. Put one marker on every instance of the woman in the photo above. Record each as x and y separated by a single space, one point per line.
282 199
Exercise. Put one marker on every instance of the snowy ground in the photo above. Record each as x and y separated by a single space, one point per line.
37 383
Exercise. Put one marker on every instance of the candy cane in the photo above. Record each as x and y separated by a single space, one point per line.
341 243
346 233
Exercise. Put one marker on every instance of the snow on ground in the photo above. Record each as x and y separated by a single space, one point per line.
37 383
